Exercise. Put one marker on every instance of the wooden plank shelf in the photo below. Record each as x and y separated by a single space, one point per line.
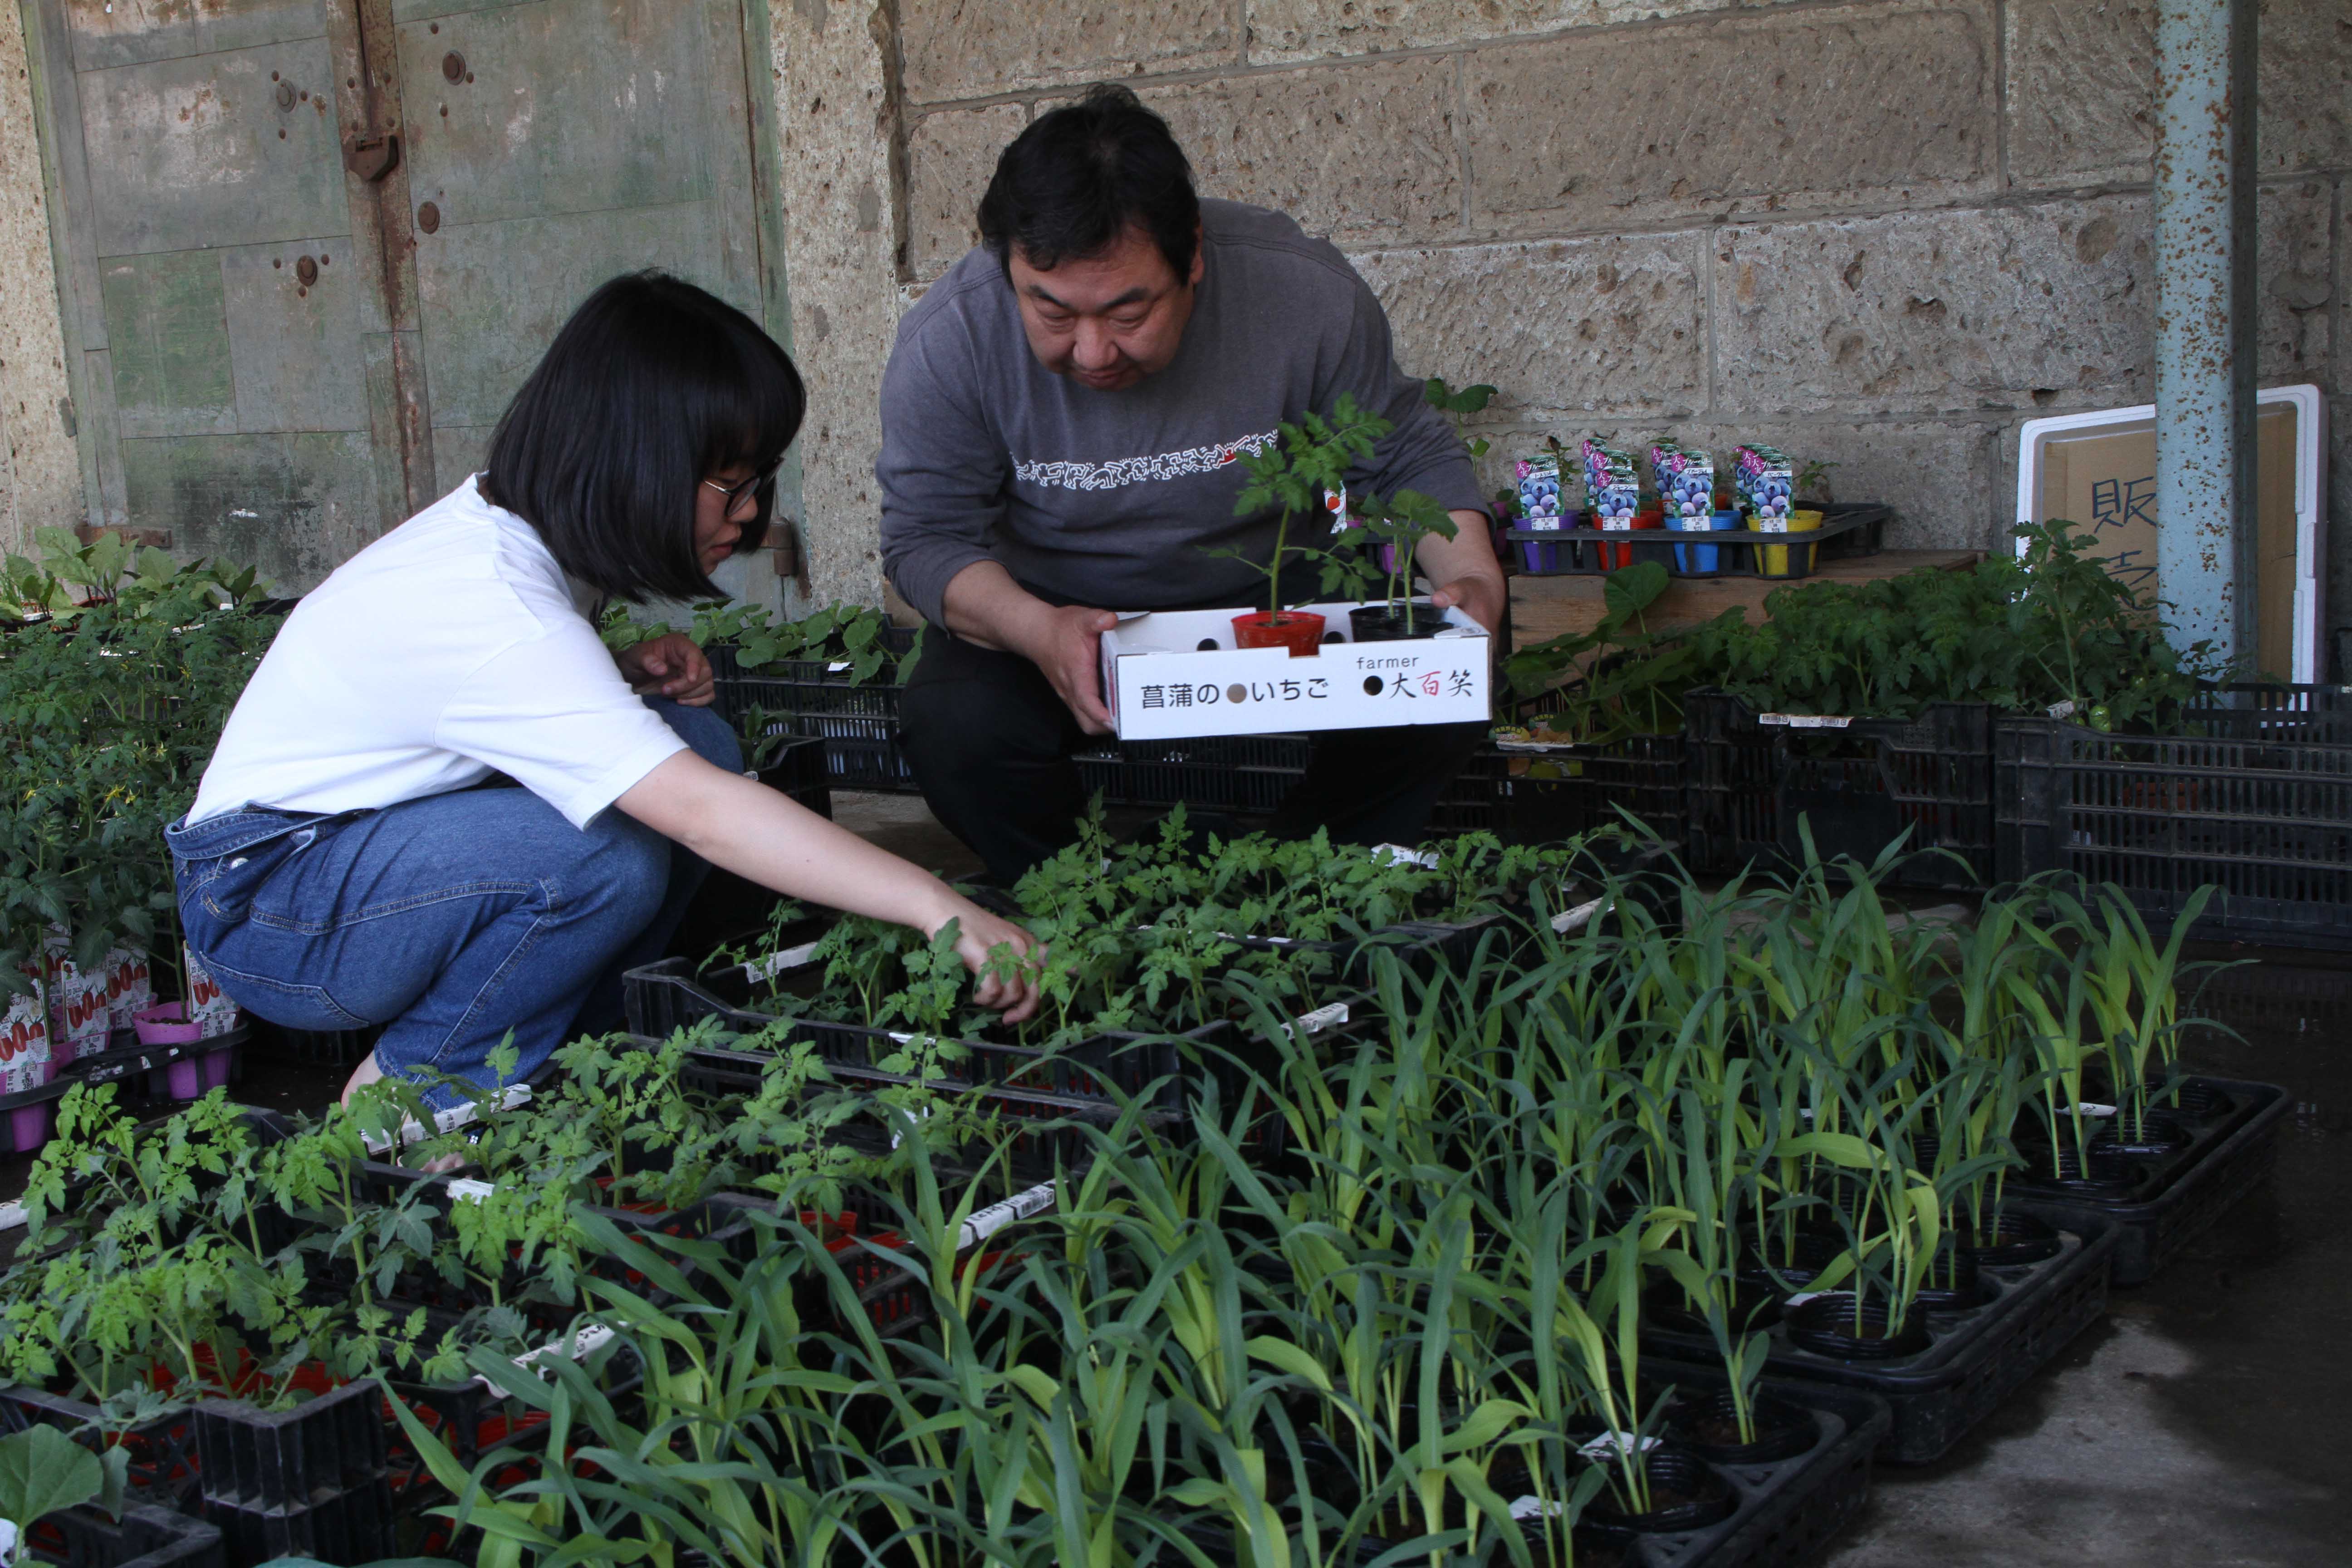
1545 607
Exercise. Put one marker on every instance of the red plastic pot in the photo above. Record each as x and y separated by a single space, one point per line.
1615 556
1301 632
166 1024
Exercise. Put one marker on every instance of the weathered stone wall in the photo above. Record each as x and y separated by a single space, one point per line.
40 474
1882 233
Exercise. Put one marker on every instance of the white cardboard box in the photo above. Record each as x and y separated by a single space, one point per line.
1163 683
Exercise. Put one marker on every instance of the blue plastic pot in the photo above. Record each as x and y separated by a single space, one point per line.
1704 558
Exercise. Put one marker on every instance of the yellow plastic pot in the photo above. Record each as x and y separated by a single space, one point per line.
1776 558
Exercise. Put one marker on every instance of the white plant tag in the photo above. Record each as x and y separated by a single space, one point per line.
836 667
413 1131
573 1346
11 1215
1801 1297
1397 854
776 964
1577 918
980 1226
7 1541
1806 720
471 1190
1326 1017
1534 1508
2091 1107
1614 1445
2063 710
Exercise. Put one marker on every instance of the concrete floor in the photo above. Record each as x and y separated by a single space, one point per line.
2205 1424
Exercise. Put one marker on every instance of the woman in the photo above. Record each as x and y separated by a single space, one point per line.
342 868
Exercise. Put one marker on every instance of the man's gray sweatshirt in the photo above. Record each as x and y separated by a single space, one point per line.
1108 498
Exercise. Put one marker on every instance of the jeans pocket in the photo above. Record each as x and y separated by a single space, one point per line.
289 1006
228 883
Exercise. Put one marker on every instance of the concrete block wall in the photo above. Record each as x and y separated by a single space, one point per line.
1881 233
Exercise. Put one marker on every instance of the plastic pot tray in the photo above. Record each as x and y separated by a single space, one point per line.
2184 1193
1789 1509
1976 1357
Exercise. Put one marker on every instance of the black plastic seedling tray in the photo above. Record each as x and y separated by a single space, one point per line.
664 998
1976 1357
1789 1509
2179 1195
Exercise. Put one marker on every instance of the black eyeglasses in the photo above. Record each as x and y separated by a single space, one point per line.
761 485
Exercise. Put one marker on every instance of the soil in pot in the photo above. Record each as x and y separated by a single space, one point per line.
1783 1270
1299 631
2107 1171
1751 1308
2155 1133
1829 1325
1685 1493
1708 1424
2195 1102
2016 1239
1953 1283
1378 623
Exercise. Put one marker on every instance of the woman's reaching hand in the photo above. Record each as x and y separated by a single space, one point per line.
984 942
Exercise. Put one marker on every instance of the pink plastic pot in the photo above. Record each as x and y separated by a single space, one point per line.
163 1025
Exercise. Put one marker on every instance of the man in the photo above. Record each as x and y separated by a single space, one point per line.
1060 420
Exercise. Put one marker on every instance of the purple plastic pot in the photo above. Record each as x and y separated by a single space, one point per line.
163 1024
216 1065
28 1127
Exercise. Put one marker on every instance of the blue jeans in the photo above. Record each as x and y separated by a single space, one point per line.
455 921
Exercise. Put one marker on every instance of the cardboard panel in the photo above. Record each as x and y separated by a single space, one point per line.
2104 476
1174 674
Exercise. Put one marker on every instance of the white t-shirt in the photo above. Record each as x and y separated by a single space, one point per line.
451 649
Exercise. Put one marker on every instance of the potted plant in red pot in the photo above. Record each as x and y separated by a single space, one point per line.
1302 472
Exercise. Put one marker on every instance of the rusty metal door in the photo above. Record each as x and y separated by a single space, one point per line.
310 248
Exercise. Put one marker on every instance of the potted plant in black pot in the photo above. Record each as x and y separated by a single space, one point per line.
1394 529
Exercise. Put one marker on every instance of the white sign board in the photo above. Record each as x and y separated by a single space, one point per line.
2098 469
1173 674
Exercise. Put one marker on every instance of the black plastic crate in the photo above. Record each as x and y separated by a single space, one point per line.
801 768
794 697
1859 783
1848 529
145 1537
1471 801
351 1527
318 1048
271 1461
1975 1357
2250 792
163 1450
1226 773
1552 792
2229 1155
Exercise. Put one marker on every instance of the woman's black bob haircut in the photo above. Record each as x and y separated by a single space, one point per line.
652 386
1083 174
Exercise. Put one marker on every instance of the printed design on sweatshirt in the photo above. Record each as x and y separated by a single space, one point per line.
1121 471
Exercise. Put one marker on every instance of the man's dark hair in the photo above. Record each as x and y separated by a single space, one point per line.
652 386
1076 180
